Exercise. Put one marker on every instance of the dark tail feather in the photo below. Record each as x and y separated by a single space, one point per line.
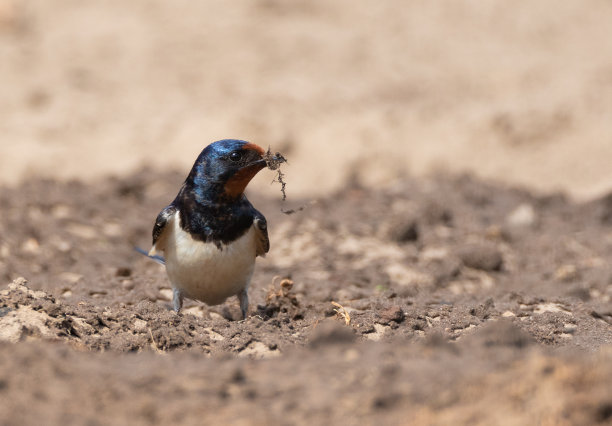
158 259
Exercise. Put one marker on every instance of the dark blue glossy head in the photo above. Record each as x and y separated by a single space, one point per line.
224 168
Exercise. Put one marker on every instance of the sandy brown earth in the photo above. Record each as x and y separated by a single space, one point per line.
452 264
517 91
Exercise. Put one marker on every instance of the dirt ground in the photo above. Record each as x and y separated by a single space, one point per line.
426 302
452 263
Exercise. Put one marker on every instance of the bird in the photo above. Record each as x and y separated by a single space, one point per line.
210 235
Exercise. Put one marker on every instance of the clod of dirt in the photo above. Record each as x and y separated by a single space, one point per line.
604 316
26 313
484 310
404 230
123 271
485 257
444 269
281 301
330 331
391 314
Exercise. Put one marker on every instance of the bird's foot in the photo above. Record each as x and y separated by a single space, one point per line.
243 296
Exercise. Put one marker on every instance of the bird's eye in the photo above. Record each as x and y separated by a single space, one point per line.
235 156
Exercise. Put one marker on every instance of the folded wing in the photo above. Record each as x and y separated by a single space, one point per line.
261 228
164 218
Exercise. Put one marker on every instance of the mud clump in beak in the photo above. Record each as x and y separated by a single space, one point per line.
273 162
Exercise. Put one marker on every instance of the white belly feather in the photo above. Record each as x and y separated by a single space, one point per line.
202 271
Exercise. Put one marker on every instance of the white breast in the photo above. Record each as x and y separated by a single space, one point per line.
204 272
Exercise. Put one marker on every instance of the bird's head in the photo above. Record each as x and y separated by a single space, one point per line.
225 168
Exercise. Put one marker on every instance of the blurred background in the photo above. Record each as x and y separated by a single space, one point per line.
519 92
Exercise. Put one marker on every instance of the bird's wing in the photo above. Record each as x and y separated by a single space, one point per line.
164 218
261 228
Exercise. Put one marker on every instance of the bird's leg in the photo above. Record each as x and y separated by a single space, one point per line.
243 296
177 300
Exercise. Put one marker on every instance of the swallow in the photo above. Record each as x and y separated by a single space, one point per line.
210 235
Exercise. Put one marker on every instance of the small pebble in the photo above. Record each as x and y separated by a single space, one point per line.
523 216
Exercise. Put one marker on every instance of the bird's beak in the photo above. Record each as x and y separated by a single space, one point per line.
261 162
